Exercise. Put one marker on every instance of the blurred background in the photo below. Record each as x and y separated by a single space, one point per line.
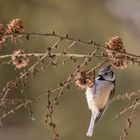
85 19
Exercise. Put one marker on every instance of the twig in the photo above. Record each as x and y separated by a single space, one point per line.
57 55
126 96
53 34
13 110
129 120
127 109
8 88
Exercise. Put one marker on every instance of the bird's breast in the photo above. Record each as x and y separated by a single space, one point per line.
98 95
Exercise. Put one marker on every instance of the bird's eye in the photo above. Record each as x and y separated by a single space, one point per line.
105 73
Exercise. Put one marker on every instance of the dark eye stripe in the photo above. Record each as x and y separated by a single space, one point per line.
105 73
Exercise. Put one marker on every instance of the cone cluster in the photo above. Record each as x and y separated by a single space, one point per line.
84 79
19 59
114 47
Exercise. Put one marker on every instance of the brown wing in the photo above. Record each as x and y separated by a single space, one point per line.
101 113
112 93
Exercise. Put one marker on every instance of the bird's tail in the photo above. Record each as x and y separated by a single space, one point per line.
91 125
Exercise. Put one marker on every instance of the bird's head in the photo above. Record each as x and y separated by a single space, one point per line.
107 74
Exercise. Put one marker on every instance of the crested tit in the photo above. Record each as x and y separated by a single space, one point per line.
99 95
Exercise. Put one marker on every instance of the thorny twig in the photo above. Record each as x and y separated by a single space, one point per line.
129 119
24 74
131 57
59 55
127 96
42 95
53 34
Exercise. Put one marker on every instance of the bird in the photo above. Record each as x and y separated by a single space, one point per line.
99 95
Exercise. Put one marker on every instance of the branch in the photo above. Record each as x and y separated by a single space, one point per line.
53 34
57 54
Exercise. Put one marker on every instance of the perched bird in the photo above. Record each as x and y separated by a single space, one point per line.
99 95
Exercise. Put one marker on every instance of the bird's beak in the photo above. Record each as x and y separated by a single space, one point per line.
109 67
